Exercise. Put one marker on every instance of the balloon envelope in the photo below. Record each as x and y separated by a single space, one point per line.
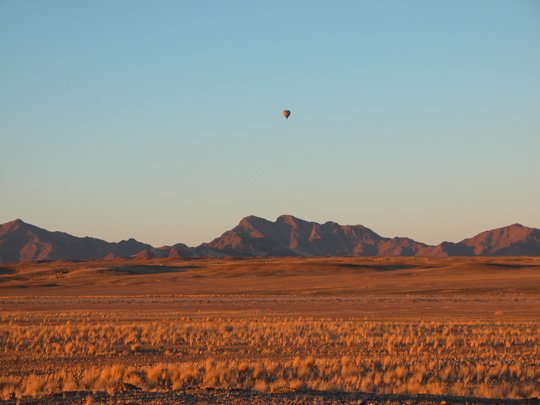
286 113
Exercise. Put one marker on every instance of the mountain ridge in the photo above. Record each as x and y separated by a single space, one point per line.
21 242
255 236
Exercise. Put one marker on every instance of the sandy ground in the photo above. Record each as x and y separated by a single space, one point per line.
248 397
393 289
486 288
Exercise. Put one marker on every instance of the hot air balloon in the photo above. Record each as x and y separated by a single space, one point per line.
286 113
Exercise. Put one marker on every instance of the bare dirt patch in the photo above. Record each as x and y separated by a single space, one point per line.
151 269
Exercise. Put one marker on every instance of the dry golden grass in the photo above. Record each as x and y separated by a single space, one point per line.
494 360
455 326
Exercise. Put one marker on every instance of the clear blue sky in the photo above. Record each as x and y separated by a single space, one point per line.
162 120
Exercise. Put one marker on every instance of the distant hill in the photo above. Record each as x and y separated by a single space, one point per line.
22 242
254 236
513 240
290 236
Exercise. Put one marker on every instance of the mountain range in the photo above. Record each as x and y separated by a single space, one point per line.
255 236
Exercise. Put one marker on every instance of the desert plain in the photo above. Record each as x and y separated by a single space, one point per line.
271 330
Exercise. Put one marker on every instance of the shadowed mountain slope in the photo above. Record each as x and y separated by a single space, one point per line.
291 236
254 236
513 240
20 242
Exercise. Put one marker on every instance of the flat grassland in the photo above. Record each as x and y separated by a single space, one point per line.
282 330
